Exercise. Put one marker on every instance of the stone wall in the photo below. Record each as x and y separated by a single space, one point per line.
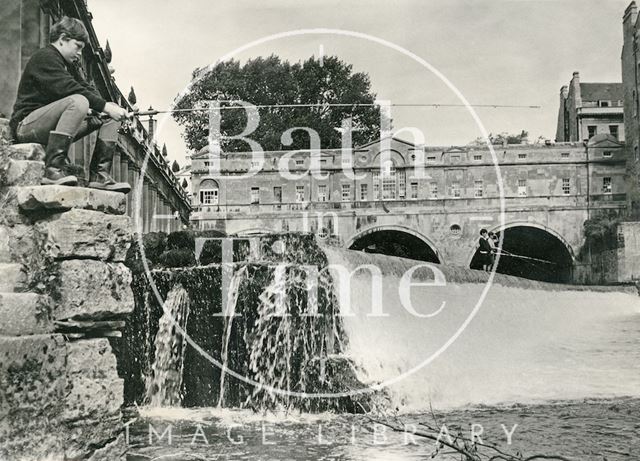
64 290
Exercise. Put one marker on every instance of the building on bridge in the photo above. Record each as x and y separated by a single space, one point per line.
588 109
426 203
164 204
631 85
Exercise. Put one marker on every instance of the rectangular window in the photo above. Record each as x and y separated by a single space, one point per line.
477 157
606 185
363 192
255 164
613 130
322 192
593 130
255 195
376 185
564 155
277 194
299 194
455 190
402 186
346 160
414 190
299 161
478 188
433 190
209 197
346 192
522 187
607 153
522 155
431 158
566 186
603 103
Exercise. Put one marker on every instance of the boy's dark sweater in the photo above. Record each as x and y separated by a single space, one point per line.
47 78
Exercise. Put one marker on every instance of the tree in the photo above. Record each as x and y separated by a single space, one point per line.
267 81
175 167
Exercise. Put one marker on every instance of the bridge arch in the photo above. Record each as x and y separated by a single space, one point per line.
531 250
396 240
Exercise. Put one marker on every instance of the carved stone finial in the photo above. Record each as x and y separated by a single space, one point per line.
132 97
164 150
107 52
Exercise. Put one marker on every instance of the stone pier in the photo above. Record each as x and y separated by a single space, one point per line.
64 290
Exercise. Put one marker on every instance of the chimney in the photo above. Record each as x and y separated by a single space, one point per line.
575 83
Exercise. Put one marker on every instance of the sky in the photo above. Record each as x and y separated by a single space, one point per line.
502 52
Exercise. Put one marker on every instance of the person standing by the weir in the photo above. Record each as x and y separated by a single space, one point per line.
53 106
485 250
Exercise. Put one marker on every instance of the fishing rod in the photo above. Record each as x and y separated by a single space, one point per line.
512 255
266 106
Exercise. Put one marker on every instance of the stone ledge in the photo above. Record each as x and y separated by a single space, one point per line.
86 234
88 289
23 173
62 198
24 314
27 151
12 278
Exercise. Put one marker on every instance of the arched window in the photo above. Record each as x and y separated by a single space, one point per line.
208 192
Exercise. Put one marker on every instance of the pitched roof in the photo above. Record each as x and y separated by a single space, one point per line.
601 91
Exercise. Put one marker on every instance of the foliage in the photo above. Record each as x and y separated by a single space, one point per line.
501 138
268 81
601 233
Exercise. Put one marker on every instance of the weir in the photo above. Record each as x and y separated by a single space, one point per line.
418 334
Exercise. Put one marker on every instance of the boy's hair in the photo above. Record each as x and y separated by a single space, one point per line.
71 28
483 231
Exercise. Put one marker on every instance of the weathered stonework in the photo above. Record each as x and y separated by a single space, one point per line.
60 258
24 314
86 289
13 278
86 234
28 151
60 400
23 173
62 198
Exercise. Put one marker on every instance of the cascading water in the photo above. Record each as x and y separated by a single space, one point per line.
164 384
230 313
528 342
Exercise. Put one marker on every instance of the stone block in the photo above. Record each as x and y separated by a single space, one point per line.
22 173
24 314
12 278
33 379
17 244
87 289
91 399
92 359
29 151
86 234
62 198
5 131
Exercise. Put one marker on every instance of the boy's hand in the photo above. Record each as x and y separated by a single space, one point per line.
115 111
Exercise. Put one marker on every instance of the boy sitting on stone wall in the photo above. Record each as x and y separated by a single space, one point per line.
52 108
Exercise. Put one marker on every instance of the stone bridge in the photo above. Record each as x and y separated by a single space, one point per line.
548 192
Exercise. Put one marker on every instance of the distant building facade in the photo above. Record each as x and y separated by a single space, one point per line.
631 85
441 196
588 109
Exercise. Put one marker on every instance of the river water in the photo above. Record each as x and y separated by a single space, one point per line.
555 368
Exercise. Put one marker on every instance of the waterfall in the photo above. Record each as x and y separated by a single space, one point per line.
528 342
229 314
164 384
